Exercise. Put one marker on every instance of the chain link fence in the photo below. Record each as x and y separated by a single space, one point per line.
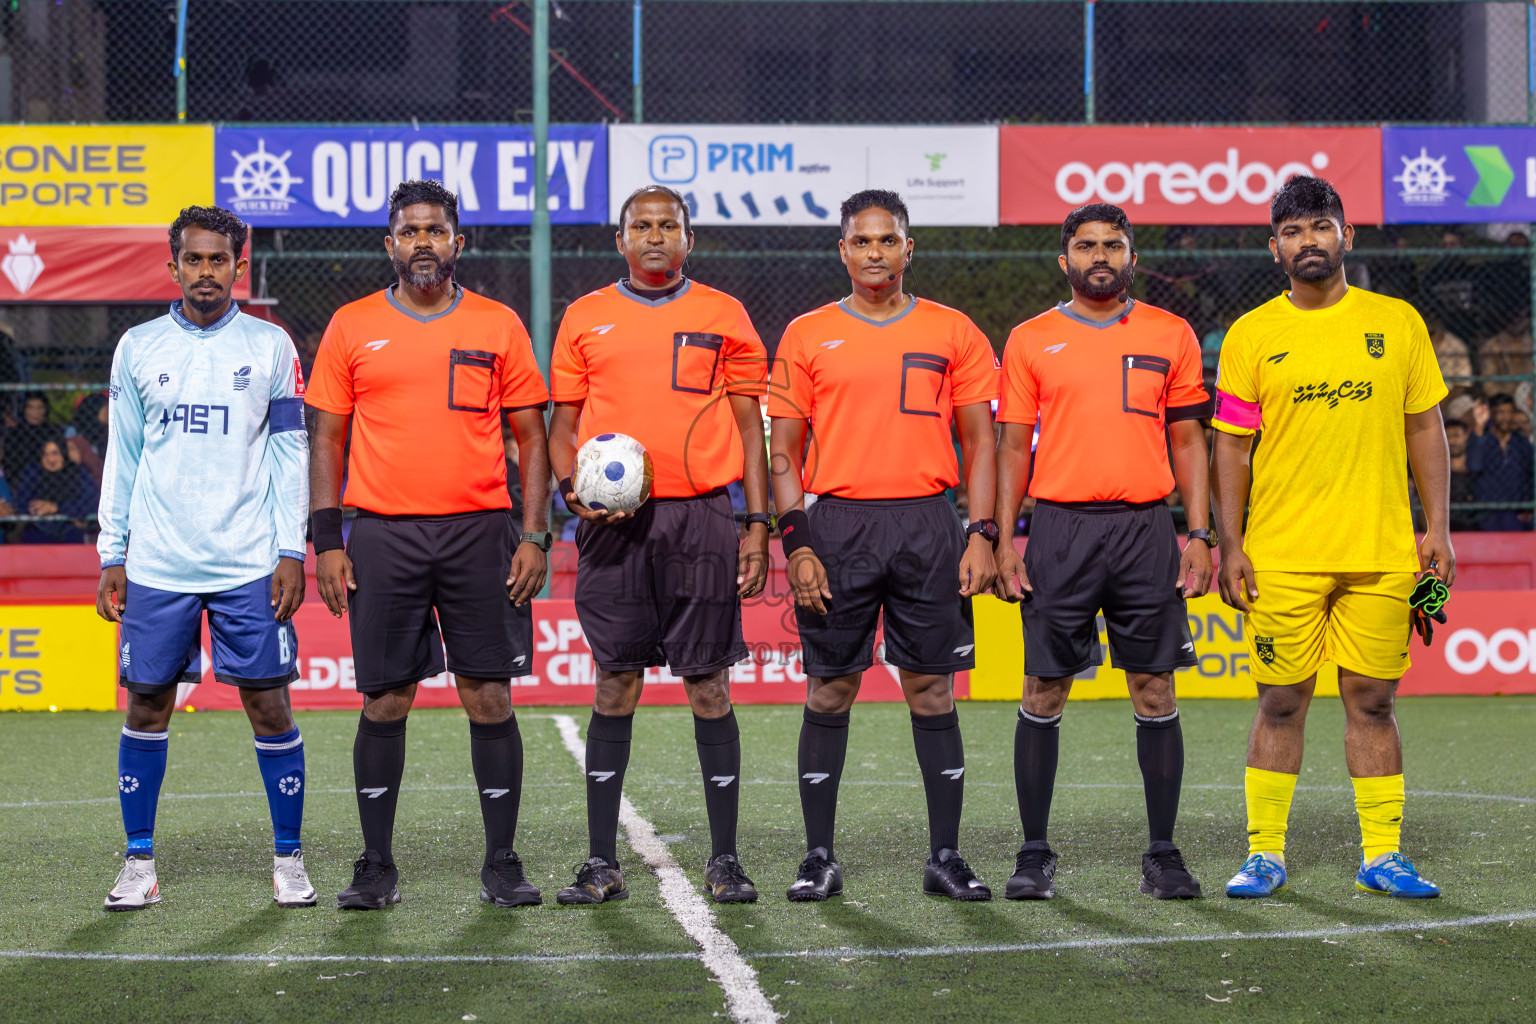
805 61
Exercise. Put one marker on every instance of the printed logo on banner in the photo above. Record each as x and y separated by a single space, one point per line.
1424 179
22 266
261 181
674 159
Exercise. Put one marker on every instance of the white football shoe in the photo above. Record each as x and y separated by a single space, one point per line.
136 885
290 882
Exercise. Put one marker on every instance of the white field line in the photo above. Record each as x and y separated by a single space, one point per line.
744 998
841 953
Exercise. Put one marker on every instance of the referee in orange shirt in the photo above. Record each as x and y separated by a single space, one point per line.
676 365
421 372
875 381
1112 385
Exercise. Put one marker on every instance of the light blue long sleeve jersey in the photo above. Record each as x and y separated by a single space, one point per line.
207 467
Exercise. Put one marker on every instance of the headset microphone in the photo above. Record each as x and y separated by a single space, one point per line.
669 275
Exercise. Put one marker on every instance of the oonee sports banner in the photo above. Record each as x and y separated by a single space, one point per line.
103 174
56 657
91 265
1181 175
795 175
335 176
1459 175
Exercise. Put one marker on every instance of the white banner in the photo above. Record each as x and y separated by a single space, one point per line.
768 174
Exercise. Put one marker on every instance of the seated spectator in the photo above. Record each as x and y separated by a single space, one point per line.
87 436
1456 433
1506 353
1500 463
24 441
1451 354
53 486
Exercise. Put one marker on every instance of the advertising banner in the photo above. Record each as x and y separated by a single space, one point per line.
69 264
796 175
56 657
1181 175
336 176
103 174
1459 175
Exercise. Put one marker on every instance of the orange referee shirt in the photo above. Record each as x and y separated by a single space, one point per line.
425 395
880 396
659 370
1103 393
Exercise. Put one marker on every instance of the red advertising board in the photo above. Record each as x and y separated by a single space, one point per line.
1181 175
89 264
1488 646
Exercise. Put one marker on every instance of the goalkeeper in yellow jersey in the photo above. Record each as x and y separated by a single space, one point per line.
1342 388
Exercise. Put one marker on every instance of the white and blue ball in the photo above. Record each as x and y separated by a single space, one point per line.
613 473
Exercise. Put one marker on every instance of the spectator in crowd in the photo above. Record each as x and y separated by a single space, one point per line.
1500 463
1448 288
1456 434
7 507
53 486
1451 354
87 436
24 442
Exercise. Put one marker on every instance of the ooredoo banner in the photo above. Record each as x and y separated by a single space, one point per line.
799 175
1181 175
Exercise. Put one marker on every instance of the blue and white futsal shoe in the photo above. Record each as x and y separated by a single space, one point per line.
136 886
1263 874
1392 874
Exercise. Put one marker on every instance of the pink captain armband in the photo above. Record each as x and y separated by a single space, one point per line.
1235 412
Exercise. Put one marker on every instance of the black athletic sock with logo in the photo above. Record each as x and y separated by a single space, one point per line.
823 749
1036 748
496 752
1160 750
941 757
607 756
719 743
378 762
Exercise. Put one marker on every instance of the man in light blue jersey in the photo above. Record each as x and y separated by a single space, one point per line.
203 506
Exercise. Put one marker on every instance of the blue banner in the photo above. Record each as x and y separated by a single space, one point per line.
337 176
1458 175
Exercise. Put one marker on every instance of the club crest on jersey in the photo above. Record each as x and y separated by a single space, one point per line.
1265 646
1375 345
242 378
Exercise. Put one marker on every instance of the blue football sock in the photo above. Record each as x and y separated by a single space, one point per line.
281 760
140 770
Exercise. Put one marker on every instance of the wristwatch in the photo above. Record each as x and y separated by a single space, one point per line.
766 518
987 528
543 539
1209 536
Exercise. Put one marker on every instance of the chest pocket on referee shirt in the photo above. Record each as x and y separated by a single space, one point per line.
1143 380
922 382
470 376
695 358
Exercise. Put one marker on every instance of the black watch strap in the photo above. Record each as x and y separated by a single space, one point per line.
766 518
1209 536
543 538
987 528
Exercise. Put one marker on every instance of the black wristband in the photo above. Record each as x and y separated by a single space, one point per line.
794 531
766 518
566 487
325 529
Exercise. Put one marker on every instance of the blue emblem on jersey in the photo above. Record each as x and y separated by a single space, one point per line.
242 378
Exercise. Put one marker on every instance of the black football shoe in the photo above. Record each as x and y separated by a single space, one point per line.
949 875
726 882
1034 873
503 883
373 884
819 877
1164 876
597 881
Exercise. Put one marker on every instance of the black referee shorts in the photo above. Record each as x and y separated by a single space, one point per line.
429 582
660 589
1114 556
902 556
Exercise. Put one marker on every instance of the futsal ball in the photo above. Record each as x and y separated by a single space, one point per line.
613 473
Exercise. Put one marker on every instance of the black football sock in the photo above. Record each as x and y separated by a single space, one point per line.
823 749
496 752
1160 749
378 762
719 743
1036 746
607 756
941 757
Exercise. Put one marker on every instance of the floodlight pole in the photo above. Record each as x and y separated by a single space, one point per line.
1088 87
539 240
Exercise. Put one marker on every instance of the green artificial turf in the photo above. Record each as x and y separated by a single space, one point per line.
1101 951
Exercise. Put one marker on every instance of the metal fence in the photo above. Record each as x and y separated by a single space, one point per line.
805 61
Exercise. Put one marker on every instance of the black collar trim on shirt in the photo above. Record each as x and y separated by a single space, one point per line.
842 304
218 325
458 296
1072 314
623 288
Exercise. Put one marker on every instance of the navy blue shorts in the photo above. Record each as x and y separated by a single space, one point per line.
159 639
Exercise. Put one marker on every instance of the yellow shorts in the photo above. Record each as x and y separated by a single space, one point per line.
1357 620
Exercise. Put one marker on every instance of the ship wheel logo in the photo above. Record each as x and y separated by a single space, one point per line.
261 175
1423 179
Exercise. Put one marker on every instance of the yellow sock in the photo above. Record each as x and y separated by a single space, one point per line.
1269 808
1379 802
